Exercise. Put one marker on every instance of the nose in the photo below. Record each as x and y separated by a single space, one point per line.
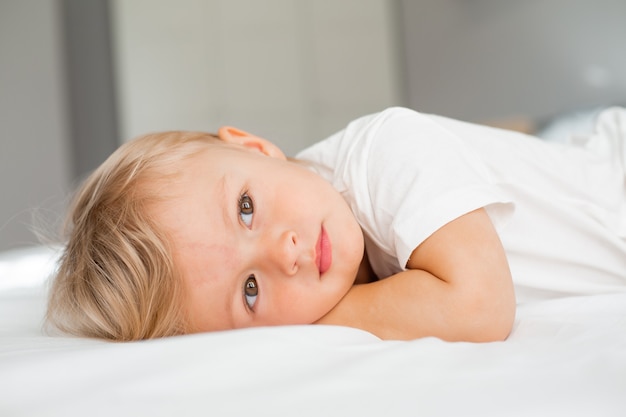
281 253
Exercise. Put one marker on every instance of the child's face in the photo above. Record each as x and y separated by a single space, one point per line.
259 240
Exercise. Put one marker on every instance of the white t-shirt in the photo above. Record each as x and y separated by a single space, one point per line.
560 210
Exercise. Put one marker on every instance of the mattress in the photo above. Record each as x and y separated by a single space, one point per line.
565 356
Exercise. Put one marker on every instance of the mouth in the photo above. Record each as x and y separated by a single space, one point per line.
323 252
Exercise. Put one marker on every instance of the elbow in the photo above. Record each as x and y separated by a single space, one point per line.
492 321
495 329
489 311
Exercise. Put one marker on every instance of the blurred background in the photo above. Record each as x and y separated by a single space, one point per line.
79 77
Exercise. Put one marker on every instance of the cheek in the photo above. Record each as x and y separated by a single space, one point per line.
326 298
303 305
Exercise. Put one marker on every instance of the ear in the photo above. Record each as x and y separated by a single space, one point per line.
231 134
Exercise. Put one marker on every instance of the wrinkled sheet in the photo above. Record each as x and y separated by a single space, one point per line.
565 357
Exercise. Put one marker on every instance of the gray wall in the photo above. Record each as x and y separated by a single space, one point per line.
89 71
34 159
56 109
290 70
487 59
476 60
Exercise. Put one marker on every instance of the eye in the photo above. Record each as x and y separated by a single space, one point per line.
250 291
246 209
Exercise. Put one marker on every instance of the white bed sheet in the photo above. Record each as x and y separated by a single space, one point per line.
565 357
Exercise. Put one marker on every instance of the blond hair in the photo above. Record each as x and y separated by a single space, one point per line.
116 278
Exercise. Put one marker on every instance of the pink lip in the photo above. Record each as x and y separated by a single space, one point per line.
323 252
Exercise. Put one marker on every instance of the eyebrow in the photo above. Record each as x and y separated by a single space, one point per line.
223 196
224 207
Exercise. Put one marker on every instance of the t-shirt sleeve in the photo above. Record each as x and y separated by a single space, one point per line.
420 176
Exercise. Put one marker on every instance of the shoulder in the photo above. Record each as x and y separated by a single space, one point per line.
332 156
393 124
360 128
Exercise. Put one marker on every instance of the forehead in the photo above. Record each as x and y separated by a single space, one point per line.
192 217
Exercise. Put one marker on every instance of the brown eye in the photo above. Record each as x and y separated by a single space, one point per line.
250 291
245 204
246 209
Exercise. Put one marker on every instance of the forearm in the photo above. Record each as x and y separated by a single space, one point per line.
457 286
415 303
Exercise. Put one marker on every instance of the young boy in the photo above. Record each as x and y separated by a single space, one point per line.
402 224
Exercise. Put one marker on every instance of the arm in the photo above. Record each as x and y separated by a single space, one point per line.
457 286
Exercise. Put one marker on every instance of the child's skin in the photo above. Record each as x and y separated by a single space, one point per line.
262 240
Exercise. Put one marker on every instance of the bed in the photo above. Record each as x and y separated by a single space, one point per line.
564 357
